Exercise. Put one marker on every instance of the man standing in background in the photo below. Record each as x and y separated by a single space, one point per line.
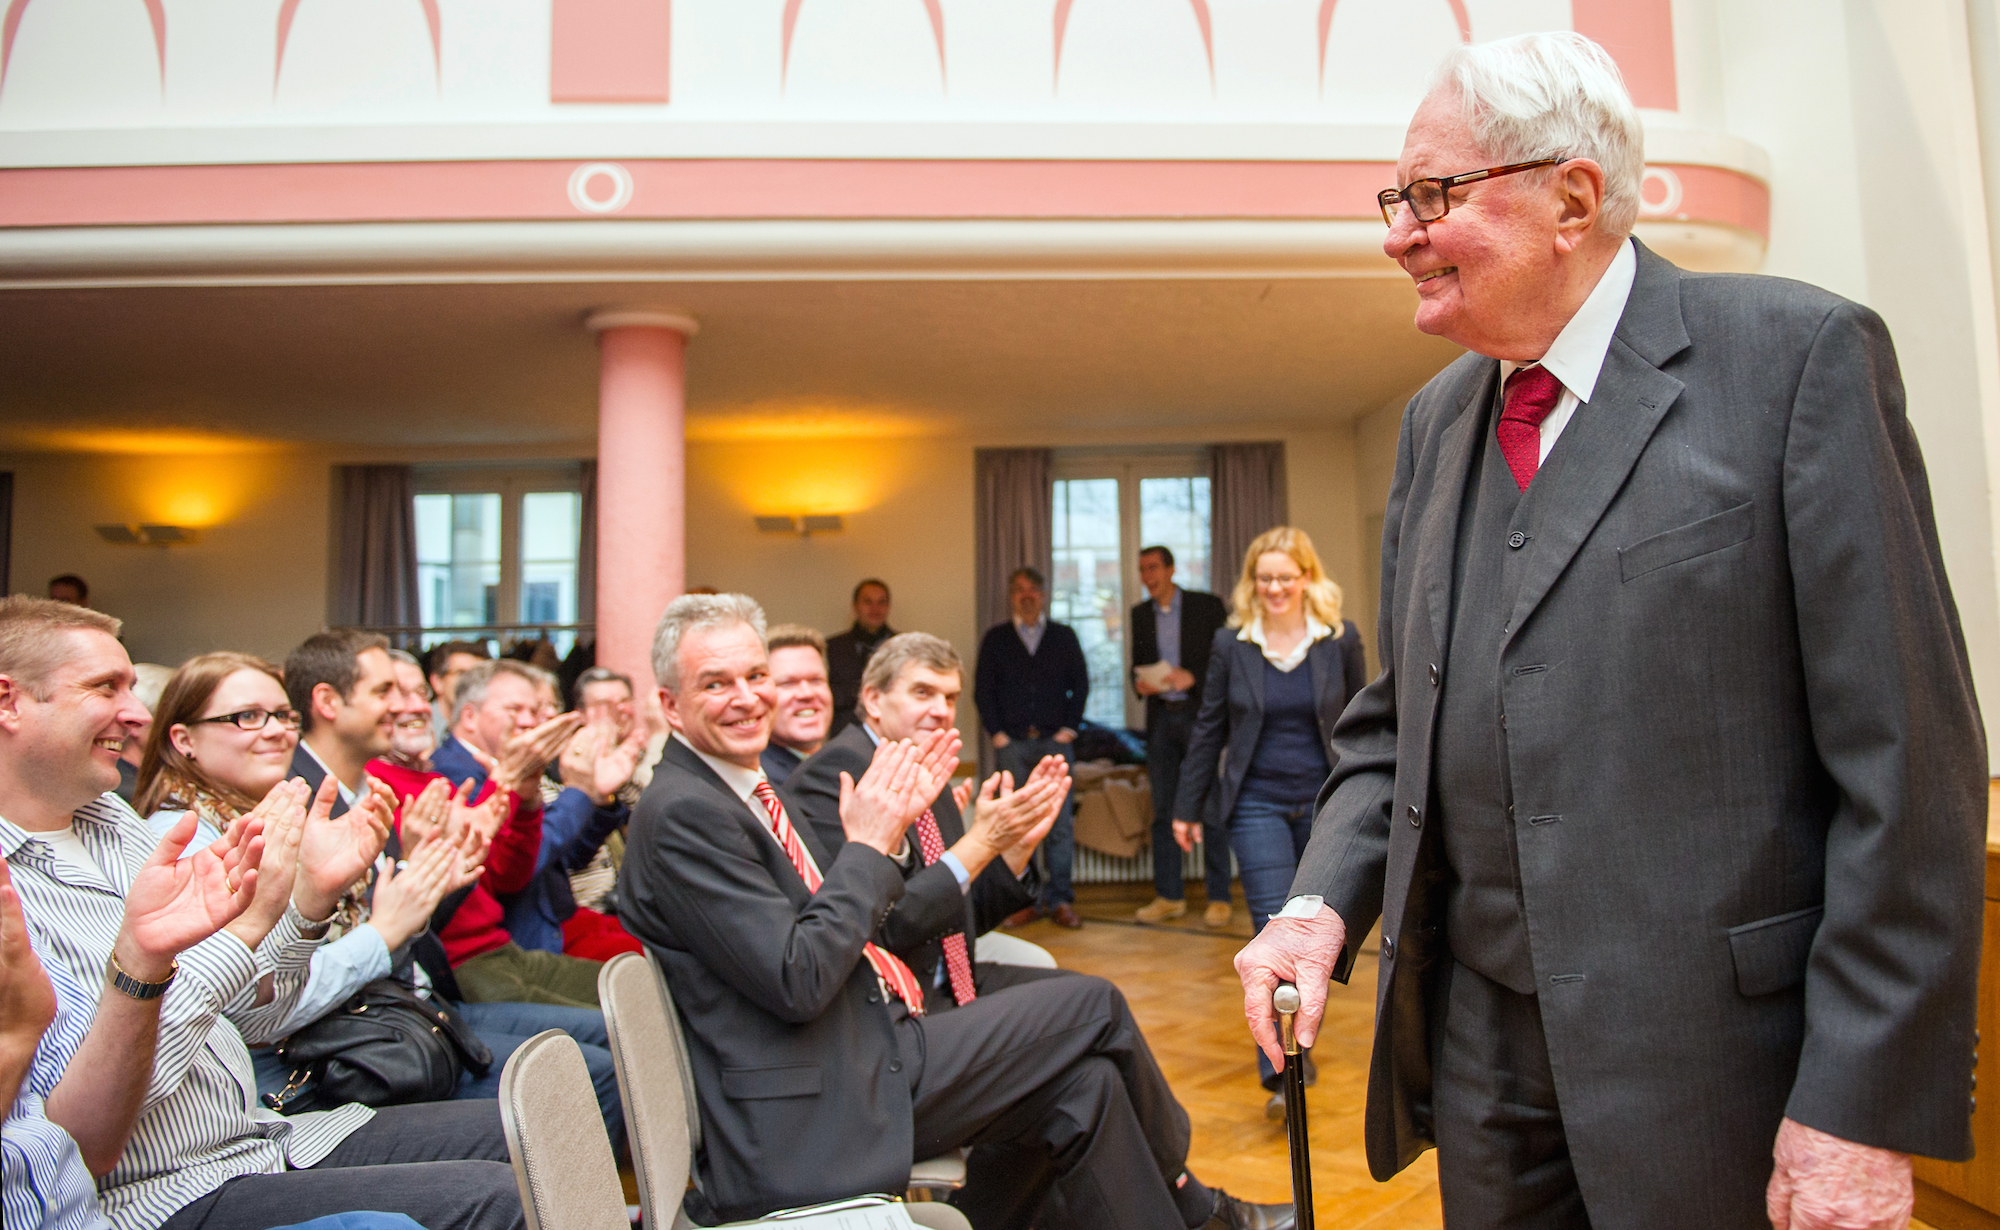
847 654
1030 687
1175 628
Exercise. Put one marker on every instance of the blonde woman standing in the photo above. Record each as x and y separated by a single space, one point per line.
1278 677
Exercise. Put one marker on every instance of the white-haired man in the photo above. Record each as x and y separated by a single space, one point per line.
1672 795
819 1074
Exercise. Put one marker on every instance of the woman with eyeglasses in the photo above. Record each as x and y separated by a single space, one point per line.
1278 677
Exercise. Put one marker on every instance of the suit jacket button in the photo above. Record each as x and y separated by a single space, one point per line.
895 1065
1434 674
1517 540
873 998
1416 816
1388 949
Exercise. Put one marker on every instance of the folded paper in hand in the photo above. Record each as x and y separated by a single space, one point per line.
1155 673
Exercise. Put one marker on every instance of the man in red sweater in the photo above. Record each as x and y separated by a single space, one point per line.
486 963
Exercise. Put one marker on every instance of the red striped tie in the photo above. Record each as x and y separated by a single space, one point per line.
896 976
957 957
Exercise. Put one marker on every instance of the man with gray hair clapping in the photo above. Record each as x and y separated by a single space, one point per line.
1671 798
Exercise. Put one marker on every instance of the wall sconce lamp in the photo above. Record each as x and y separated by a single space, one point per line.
804 527
147 535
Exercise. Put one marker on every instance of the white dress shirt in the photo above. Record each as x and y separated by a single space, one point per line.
1289 660
1031 634
1577 354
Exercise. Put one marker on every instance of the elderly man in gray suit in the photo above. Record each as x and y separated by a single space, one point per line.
1671 798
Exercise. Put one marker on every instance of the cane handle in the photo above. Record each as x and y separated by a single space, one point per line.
1286 1001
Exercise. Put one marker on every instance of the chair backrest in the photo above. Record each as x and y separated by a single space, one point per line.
555 1138
662 1119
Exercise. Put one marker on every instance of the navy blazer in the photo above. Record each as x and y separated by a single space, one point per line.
1202 615
1232 711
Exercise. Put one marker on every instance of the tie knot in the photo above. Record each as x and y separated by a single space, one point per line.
1532 392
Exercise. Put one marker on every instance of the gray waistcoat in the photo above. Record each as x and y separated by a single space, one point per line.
1473 800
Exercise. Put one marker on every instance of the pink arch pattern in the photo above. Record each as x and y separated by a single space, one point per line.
290 9
11 24
1201 18
933 8
1458 13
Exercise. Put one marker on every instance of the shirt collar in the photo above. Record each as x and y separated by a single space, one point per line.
742 781
1041 622
872 736
1577 355
13 836
1254 631
1173 602
350 797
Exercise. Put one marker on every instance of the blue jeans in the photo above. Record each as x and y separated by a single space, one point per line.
503 1027
1058 850
1268 837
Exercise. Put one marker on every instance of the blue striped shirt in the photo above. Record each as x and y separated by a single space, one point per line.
44 1184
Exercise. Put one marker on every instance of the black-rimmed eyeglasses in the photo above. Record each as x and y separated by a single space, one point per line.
256 719
1430 199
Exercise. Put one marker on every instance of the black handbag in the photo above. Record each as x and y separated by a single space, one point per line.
385 1046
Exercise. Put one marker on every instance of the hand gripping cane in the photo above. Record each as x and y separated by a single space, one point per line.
1286 1000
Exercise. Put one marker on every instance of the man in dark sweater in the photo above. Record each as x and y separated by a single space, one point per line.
847 654
1030 688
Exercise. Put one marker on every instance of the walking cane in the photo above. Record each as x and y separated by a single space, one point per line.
1286 1000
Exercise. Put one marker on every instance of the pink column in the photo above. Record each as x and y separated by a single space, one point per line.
641 480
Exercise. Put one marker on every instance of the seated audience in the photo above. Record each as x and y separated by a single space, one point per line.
413 737
819 1075
805 701
848 653
447 662
70 588
210 759
150 679
596 765
959 884
160 1104
494 733
605 698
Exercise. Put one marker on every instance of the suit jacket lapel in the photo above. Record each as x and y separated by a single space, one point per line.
1437 535
1603 441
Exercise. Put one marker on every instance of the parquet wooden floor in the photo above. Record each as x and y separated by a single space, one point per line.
1186 996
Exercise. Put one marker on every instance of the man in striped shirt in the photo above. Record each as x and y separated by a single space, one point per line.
201 1152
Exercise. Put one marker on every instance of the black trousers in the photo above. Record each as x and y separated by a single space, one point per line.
1048 1078
1167 736
1503 1159
442 1163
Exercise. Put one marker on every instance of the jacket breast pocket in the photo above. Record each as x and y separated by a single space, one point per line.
792 1080
1724 529
1771 953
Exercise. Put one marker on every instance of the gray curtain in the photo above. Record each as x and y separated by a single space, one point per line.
586 545
1246 497
1012 514
376 585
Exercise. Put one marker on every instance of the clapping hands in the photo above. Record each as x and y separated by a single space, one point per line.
175 903
900 783
1014 820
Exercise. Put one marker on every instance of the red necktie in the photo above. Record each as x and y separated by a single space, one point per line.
1531 393
895 975
957 958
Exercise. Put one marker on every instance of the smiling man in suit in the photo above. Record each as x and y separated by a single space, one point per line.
959 884
1671 797
819 1072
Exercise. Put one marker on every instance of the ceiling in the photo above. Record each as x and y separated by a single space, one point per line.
445 365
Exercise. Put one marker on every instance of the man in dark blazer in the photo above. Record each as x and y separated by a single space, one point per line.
910 690
1175 626
815 1080
1030 686
1671 797
847 654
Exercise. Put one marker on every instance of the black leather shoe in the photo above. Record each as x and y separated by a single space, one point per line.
1233 1214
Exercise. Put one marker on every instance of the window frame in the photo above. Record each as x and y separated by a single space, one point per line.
511 482
1128 466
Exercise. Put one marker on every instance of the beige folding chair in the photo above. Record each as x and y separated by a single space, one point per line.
662 1118
555 1138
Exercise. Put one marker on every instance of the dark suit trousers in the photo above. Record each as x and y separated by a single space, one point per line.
1048 1078
444 1164
1166 747
1503 1159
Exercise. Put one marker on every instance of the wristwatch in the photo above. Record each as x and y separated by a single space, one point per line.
126 984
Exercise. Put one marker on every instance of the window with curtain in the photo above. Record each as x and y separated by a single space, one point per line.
1106 507
497 551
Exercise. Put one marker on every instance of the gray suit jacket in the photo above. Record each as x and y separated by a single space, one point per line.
1746 762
